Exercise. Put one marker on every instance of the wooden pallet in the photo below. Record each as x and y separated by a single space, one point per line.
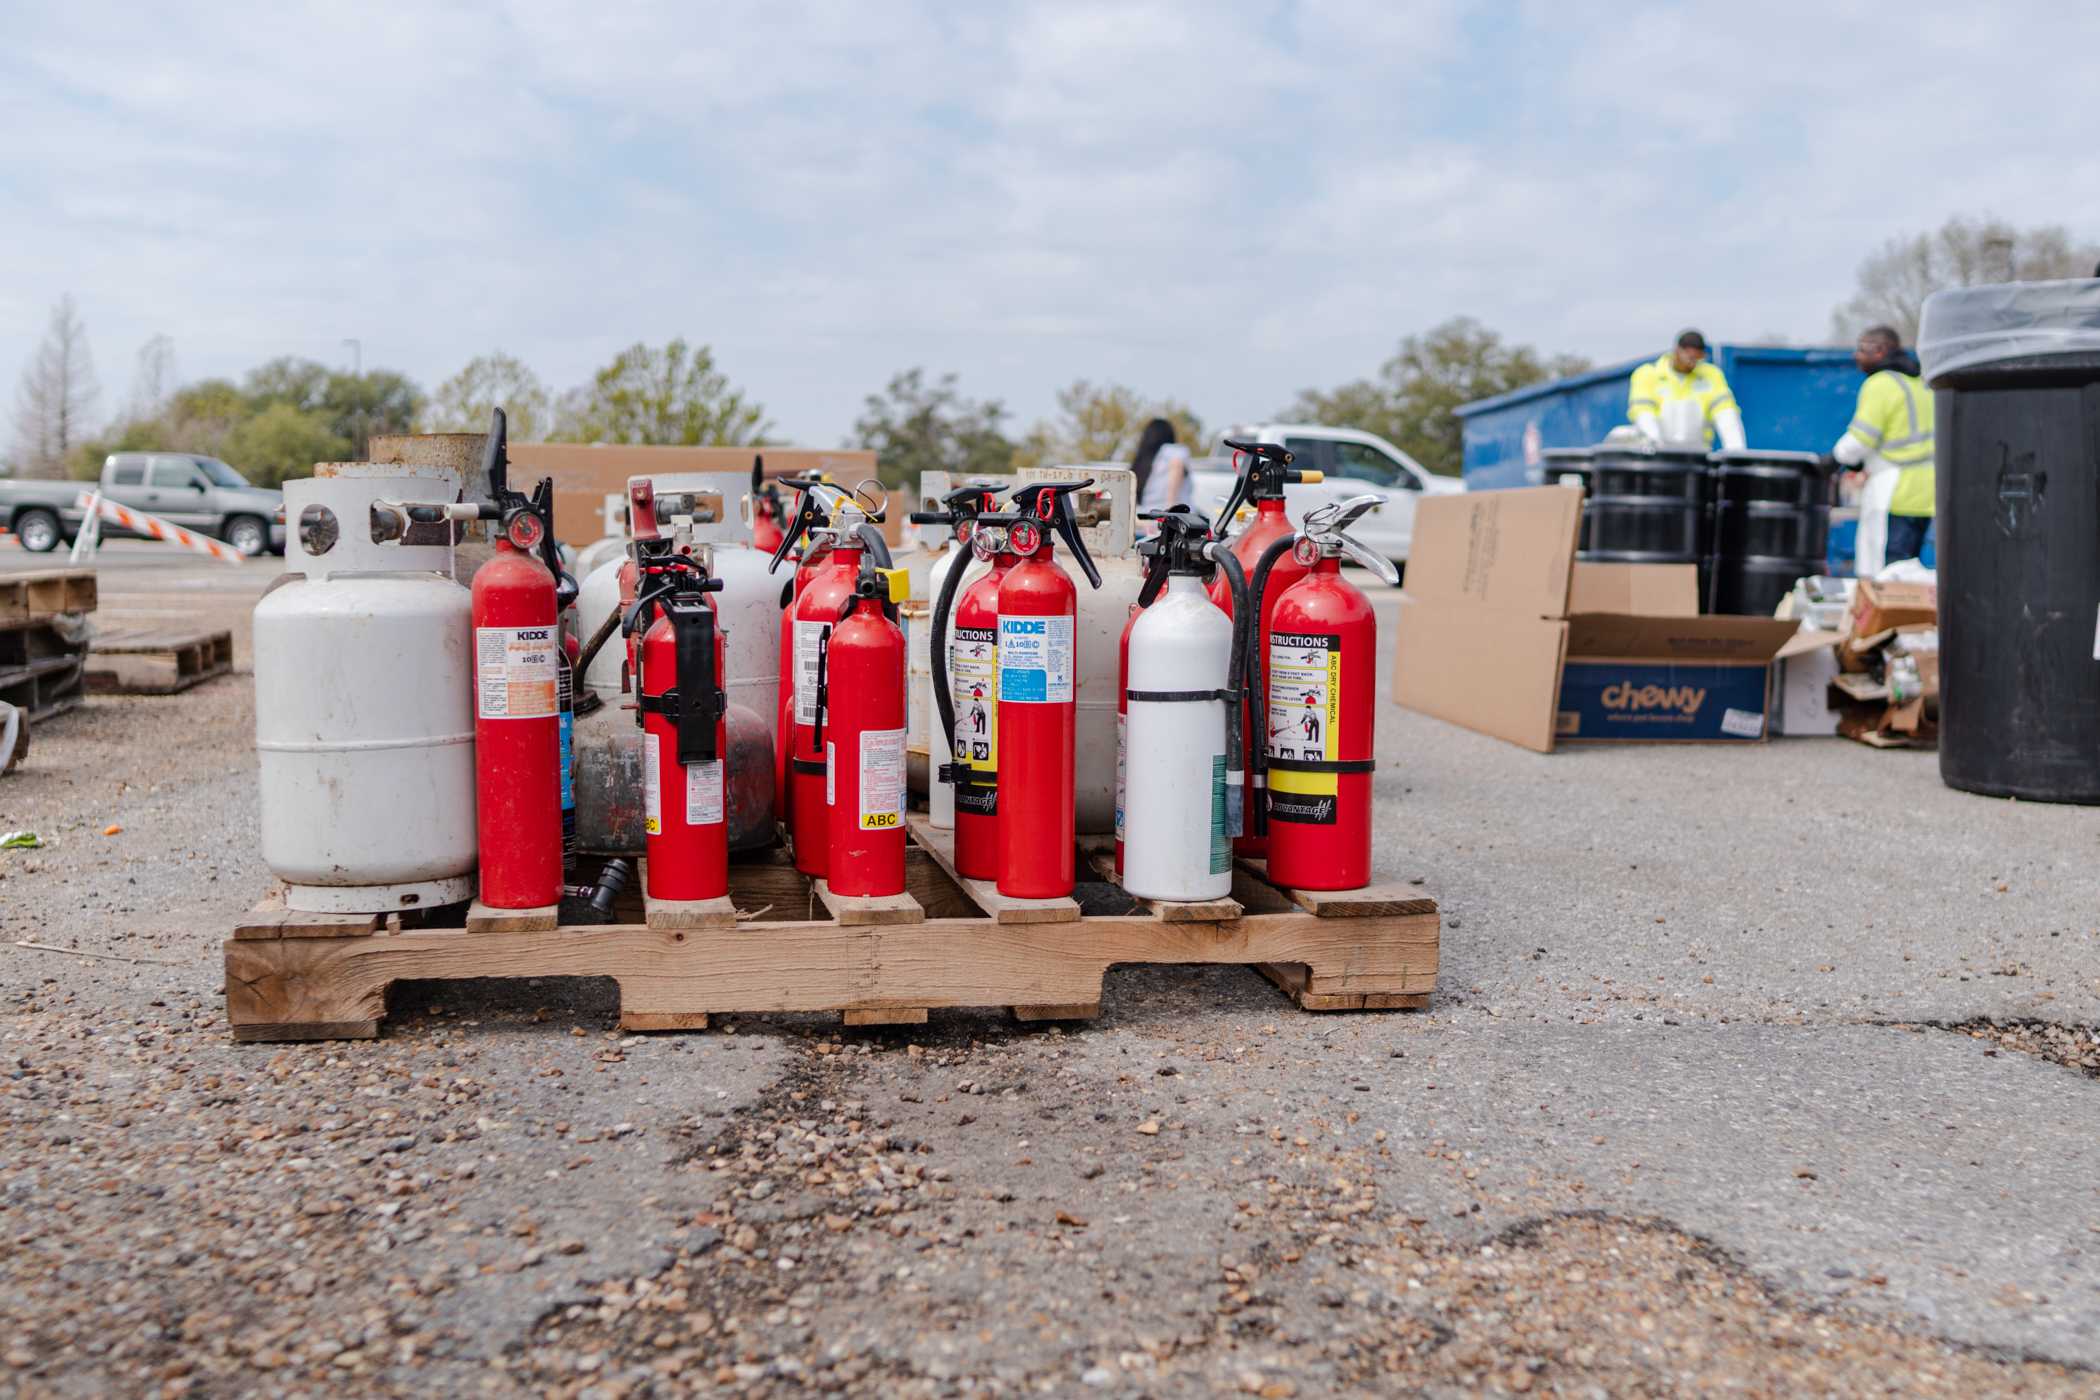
44 594
156 661
44 686
307 977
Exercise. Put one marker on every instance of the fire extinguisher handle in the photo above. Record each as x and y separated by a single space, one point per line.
1050 503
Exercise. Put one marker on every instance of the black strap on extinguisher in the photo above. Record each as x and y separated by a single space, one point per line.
1323 765
694 703
1181 697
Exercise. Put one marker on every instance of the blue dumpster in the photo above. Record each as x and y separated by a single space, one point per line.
1797 400
1793 399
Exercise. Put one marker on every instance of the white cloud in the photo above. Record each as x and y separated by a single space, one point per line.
1224 203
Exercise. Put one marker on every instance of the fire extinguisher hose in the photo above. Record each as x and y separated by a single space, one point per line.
943 608
1235 683
1257 685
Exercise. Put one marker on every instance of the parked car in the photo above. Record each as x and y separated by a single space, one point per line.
197 493
1351 463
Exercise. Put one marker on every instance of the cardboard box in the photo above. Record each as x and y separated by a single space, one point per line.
1806 667
1503 631
1880 607
585 473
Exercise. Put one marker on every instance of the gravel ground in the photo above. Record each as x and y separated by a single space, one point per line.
1715 1095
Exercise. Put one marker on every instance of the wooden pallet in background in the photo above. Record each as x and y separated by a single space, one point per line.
34 597
292 979
156 660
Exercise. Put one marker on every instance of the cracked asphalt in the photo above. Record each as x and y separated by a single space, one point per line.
1697 1106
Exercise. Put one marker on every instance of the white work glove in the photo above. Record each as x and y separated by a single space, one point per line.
1651 427
1729 423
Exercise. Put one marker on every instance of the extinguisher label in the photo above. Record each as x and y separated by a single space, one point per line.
1305 687
1035 660
1220 843
515 676
881 779
973 681
1122 770
703 793
831 772
652 788
809 654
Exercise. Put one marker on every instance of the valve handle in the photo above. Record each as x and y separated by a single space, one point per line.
1050 503
1326 527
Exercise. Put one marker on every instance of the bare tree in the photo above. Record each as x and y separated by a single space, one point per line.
154 378
57 394
1895 280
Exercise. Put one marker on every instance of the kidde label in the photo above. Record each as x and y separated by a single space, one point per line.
514 673
809 653
703 792
1305 683
881 779
1035 660
973 686
652 788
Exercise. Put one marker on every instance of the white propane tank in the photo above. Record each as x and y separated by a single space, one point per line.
1107 516
614 541
748 607
597 596
364 703
1174 842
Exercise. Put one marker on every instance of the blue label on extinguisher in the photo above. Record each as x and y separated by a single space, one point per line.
1035 660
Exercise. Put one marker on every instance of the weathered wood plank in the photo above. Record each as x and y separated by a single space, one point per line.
482 919
870 908
1001 909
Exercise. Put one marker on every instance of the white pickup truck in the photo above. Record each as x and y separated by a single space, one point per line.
1351 463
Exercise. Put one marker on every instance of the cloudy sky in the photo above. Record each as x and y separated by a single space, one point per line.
1222 202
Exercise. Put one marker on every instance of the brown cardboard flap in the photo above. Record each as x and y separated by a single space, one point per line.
1492 671
1743 640
1510 550
1802 643
1652 590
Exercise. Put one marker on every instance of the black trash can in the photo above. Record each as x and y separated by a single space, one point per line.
2016 377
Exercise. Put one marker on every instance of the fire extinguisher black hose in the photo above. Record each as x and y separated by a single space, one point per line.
1235 677
1258 685
598 639
943 606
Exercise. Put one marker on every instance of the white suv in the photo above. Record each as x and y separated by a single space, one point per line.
1351 463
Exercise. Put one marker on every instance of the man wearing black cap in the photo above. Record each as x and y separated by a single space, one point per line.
1682 400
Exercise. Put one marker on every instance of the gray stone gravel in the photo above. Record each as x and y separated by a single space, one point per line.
1690 954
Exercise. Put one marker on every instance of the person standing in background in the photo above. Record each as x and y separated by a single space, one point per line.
1891 433
1161 467
1683 400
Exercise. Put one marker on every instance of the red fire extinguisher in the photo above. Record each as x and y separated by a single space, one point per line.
1038 623
1265 469
850 534
809 516
964 652
861 718
517 702
767 515
1317 709
681 708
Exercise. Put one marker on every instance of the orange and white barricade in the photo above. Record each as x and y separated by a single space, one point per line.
99 509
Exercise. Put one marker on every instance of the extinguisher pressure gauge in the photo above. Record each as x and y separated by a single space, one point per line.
1024 536
525 530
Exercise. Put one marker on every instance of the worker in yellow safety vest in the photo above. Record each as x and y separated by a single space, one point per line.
1891 435
1683 400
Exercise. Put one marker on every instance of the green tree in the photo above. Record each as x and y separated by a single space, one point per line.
671 394
283 441
913 427
1896 278
1101 423
355 405
461 404
1411 404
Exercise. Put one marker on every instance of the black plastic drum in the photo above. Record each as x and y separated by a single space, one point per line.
1658 529
1770 528
1671 475
1752 585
